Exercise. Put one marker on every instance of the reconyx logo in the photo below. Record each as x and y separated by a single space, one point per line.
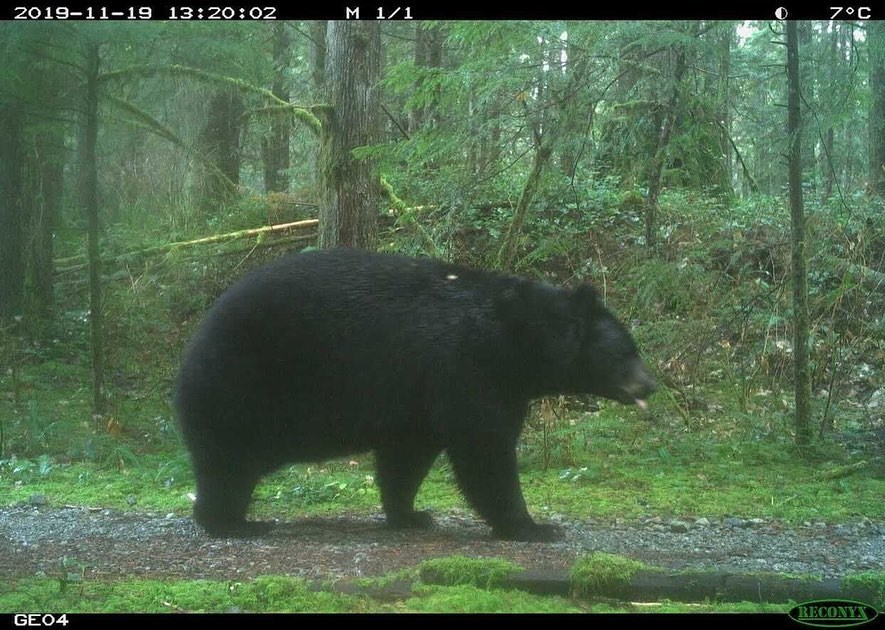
826 613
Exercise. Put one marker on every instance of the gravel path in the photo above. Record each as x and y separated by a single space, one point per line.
110 544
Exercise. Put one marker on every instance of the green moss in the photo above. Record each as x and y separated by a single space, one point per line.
286 594
409 574
467 598
620 474
459 570
869 581
603 572
667 606
265 594
668 479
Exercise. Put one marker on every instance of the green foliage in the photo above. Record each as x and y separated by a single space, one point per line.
625 469
313 489
155 482
710 309
286 594
264 594
674 289
261 595
24 470
71 572
458 570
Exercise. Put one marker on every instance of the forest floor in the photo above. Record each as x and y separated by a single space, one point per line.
109 544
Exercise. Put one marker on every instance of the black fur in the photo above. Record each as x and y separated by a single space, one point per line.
329 353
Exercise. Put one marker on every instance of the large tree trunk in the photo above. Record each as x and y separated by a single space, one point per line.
317 33
797 216
220 143
349 188
46 174
89 195
655 178
12 269
275 147
876 44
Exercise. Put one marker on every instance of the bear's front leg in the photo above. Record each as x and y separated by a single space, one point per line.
486 470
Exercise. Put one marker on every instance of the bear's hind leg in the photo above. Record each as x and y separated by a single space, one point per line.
400 471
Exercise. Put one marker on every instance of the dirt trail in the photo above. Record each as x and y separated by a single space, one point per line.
109 544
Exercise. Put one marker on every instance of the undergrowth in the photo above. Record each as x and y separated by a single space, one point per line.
710 311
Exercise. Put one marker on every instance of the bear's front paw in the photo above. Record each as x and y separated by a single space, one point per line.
532 532
410 520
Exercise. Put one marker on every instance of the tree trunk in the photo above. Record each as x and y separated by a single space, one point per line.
722 103
275 147
876 45
827 159
655 181
220 142
545 139
317 34
807 70
474 144
428 54
89 195
797 219
511 240
349 188
568 154
46 164
12 239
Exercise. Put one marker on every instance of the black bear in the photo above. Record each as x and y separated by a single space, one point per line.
324 354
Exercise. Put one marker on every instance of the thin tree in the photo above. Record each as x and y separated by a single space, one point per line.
544 139
830 137
89 198
876 39
724 39
656 173
275 147
11 220
801 368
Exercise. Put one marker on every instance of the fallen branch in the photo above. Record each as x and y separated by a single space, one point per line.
312 236
79 261
840 471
